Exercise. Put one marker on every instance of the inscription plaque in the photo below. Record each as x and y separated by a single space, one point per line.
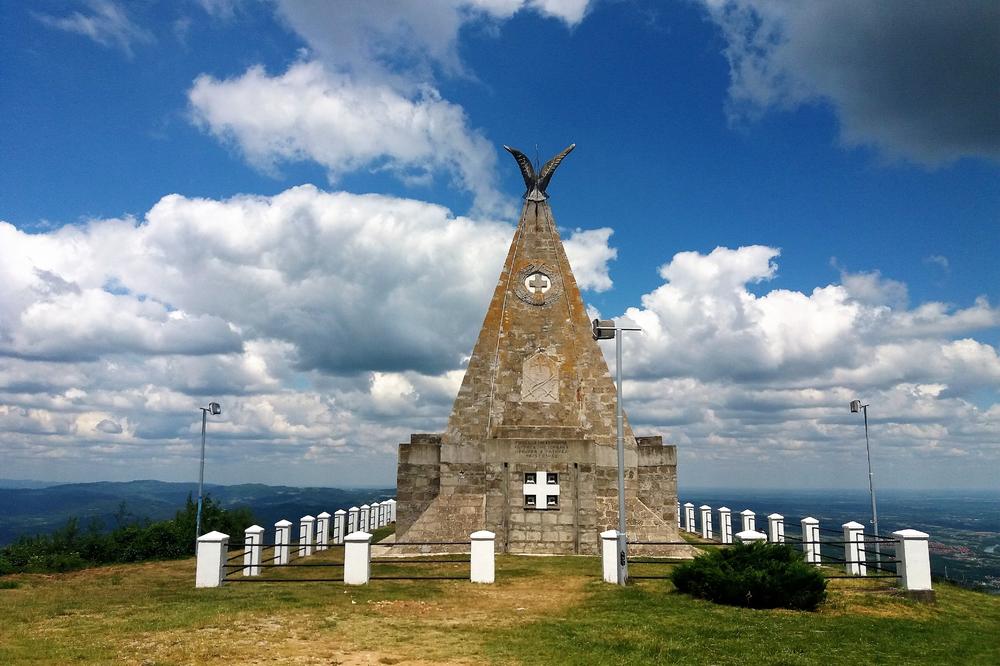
540 450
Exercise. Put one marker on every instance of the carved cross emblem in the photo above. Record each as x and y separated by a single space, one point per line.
538 283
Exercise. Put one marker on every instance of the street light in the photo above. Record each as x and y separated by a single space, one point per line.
856 407
605 329
215 409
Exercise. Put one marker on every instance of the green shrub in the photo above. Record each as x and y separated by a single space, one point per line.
757 575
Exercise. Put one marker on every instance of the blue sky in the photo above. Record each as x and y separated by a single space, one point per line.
207 200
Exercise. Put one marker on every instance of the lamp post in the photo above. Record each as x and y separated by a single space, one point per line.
856 407
215 409
605 329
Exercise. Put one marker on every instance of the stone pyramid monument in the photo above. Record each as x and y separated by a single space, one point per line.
529 451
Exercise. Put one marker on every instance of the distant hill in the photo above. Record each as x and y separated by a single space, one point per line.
26 483
36 510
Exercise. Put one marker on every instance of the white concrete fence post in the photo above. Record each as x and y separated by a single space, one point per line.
854 548
282 537
363 518
810 540
689 525
382 506
373 513
392 511
706 521
750 536
352 520
357 558
726 524
253 537
209 571
776 528
307 529
914 567
749 521
322 531
483 559
339 526
609 556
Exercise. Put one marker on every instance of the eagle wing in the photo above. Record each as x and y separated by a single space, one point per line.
527 171
550 167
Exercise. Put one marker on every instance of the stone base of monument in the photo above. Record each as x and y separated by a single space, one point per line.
538 496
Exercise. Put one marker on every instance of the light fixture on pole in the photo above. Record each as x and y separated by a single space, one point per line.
605 329
856 407
215 409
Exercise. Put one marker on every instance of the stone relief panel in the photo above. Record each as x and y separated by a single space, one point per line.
540 379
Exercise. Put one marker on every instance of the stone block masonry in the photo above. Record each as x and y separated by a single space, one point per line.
529 450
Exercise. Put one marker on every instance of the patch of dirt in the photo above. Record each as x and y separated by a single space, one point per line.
374 631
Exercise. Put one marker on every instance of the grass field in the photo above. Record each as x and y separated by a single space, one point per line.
548 610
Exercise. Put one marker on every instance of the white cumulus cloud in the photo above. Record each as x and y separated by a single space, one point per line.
763 379
589 253
308 113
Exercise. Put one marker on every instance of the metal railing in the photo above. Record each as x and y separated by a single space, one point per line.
235 573
423 560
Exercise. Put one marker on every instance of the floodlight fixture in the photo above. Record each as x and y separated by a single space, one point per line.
604 329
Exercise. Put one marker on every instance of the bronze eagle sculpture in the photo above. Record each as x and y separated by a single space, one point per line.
536 185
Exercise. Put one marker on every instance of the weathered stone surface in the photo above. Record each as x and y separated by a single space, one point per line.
537 396
418 478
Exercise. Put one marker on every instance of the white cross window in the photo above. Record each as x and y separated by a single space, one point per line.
538 283
541 490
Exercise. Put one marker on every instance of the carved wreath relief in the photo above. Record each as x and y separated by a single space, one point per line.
538 284
539 379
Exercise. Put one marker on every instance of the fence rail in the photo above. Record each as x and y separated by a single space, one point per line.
219 563
904 555
907 554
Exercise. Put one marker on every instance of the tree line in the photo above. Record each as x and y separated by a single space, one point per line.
132 540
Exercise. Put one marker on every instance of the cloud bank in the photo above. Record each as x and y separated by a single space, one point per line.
326 323
917 80
331 325
740 378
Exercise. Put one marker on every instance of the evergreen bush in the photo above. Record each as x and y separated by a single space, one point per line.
756 575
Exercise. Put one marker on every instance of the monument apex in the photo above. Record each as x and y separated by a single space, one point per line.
529 450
